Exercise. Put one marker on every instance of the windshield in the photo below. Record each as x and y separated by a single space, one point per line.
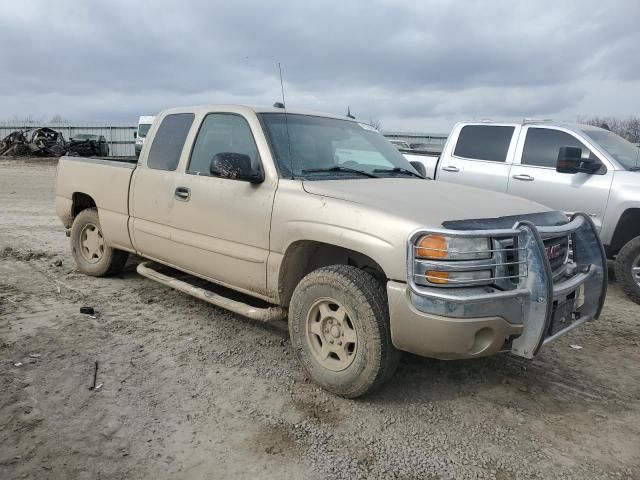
85 136
318 148
143 129
620 149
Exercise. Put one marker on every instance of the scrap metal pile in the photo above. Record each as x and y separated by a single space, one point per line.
41 142
87 145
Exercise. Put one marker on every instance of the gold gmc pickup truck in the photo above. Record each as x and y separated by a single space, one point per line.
318 218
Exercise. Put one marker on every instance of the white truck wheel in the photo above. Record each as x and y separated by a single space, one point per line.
628 269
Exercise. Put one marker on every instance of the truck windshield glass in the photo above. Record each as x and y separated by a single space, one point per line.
143 129
623 151
318 148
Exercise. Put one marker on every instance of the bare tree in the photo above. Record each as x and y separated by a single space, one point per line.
57 118
628 128
24 120
375 123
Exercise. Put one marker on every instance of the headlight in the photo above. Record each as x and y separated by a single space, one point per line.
434 246
452 261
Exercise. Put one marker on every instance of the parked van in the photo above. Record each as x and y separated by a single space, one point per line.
144 124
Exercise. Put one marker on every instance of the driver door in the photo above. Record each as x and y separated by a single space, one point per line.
535 176
220 226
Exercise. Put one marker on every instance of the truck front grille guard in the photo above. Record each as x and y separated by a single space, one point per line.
527 293
505 262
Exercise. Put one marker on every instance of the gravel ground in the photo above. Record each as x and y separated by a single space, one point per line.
192 391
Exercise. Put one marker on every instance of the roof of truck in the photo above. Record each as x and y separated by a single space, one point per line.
536 122
258 109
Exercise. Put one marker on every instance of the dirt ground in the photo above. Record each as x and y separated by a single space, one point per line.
191 391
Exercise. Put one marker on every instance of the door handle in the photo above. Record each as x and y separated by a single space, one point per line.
524 178
183 194
451 168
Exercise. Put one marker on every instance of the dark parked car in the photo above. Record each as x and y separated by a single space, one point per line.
87 144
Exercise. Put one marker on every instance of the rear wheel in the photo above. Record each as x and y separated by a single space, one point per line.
339 328
628 269
92 255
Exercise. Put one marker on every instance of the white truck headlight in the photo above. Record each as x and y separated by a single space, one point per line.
434 246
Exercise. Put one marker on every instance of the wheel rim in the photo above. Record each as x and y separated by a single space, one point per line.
331 334
91 243
635 270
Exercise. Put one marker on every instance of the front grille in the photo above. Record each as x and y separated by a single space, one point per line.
557 250
512 259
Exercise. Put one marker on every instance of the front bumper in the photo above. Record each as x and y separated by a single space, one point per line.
452 323
439 336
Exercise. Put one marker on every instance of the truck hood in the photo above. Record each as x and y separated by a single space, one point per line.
427 203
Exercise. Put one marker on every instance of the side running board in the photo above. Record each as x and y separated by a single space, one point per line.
255 313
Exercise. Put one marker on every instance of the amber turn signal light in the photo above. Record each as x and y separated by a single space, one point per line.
435 276
432 246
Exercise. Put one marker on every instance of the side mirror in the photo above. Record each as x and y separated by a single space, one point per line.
235 166
135 134
570 161
419 168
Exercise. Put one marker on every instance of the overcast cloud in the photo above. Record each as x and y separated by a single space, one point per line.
419 65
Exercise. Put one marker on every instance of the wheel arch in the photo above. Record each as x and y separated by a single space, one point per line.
627 229
304 256
81 201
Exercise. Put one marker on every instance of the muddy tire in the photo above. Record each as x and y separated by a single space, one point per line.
92 255
628 269
339 329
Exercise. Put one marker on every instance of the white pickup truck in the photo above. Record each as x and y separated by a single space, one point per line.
568 167
319 219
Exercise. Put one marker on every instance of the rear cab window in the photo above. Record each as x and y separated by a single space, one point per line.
168 141
484 142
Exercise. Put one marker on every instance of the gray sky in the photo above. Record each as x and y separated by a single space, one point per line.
418 65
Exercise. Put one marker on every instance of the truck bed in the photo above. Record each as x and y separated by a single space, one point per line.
100 181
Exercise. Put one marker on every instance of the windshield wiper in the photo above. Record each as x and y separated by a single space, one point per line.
634 169
338 168
398 170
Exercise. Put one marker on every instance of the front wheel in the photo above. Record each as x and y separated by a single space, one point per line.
628 269
339 328
92 255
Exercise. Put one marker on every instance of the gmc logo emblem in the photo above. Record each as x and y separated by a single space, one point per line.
553 251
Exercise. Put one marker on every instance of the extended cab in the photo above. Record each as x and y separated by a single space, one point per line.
569 167
318 218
